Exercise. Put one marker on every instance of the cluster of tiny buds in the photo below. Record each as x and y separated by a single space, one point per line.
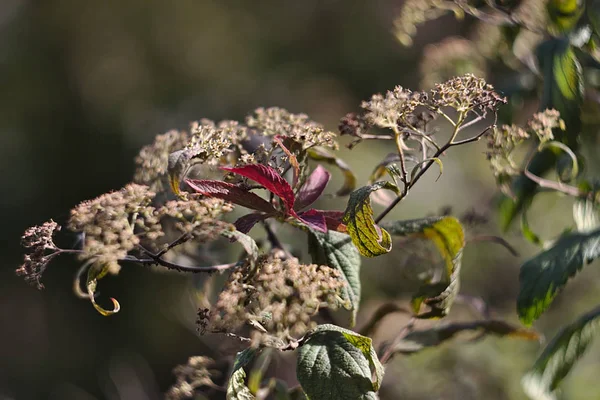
39 242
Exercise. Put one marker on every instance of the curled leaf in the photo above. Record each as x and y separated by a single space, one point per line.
448 236
370 239
94 274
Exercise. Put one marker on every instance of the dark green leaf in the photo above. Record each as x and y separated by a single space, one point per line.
448 236
336 250
236 388
337 364
419 340
370 240
558 358
545 274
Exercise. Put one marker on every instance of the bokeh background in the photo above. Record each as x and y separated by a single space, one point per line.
85 84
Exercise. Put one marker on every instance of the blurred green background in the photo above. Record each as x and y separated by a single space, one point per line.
85 84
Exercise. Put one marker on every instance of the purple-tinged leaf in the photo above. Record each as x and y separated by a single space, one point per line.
269 178
312 188
246 223
231 193
314 220
333 219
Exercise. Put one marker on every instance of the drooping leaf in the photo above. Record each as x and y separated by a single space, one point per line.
560 355
245 223
236 388
231 193
369 238
543 276
564 14
321 154
269 178
563 91
96 273
336 363
336 250
419 340
312 188
448 236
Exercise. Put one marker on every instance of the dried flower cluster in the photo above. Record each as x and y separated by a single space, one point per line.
280 295
466 93
298 127
152 161
504 140
191 376
393 108
108 223
39 242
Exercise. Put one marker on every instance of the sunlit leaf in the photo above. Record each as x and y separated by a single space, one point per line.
369 238
96 273
560 355
246 241
231 193
419 340
586 215
448 236
321 154
336 250
543 276
236 388
336 363
269 178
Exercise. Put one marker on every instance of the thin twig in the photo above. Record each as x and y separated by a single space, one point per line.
389 350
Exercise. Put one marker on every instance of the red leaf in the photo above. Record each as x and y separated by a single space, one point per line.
312 188
269 178
333 219
246 223
314 219
230 192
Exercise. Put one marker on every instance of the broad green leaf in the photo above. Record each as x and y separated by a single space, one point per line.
563 91
336 250
336 363
370 240
419 340
543 276
236 388
448 236
96 273
324 155
559 357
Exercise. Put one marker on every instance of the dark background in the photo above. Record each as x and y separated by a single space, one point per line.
85 84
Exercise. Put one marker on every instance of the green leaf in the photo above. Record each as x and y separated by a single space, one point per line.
246 241
336 250
559 357
321 154
370 240
336 363
419 340
236 388
543 276
448 236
